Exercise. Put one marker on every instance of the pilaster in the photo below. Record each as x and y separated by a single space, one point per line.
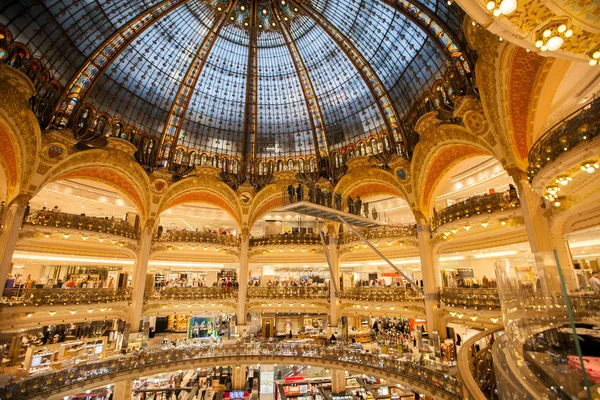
13 220
431 279
138 281
238 377
338 381
122 390
243 277
543 241
334 282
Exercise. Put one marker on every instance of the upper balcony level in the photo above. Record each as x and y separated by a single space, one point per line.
195 237
67 223
574 132
474 206
381 294
311 239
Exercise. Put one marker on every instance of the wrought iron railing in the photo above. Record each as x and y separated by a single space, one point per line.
196 237
82 222
481 298
487 203
192 293
382 232
59 297
579 128
441 384
476 367
291 239
288 292
381 294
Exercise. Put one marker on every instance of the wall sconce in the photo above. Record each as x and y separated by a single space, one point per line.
552 37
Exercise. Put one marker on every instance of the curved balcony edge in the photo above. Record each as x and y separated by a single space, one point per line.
471 388
52 385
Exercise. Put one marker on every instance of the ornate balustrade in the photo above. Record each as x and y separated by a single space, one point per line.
441 384
383 294
391 231
289 292
82 222
192 293
476 367
196 237
38 297
273 240
579 128
483 298
473 206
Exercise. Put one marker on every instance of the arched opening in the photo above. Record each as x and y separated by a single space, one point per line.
77 233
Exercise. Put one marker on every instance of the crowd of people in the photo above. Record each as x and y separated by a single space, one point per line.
326 198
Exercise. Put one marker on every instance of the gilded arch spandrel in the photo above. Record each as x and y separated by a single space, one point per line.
110 166
205 187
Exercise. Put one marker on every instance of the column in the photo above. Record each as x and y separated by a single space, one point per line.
238 377
138 281
243 277
431 279
334 301
543 241
122 390
338 381
10 234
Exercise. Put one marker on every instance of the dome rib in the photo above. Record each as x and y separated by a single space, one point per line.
312 103
370 78
427 29
251 106
174 121
87 76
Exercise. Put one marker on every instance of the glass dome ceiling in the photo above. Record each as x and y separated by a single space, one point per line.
271 77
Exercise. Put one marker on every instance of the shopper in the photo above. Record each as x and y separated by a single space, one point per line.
595 281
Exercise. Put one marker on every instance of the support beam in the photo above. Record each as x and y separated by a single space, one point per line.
431 279
384 258
87 76
251 107
372 81
310 98
184 94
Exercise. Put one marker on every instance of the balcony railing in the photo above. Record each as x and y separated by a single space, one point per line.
38 297
382 232
441 384
196 237
192 293
381 294
473 206
476 367
82 222
581 127
288 292
291 239
483 298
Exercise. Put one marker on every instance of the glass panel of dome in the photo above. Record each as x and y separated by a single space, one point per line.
141 84
347 105
215 118
284 127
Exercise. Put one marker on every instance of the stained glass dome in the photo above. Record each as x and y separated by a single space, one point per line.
247 78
